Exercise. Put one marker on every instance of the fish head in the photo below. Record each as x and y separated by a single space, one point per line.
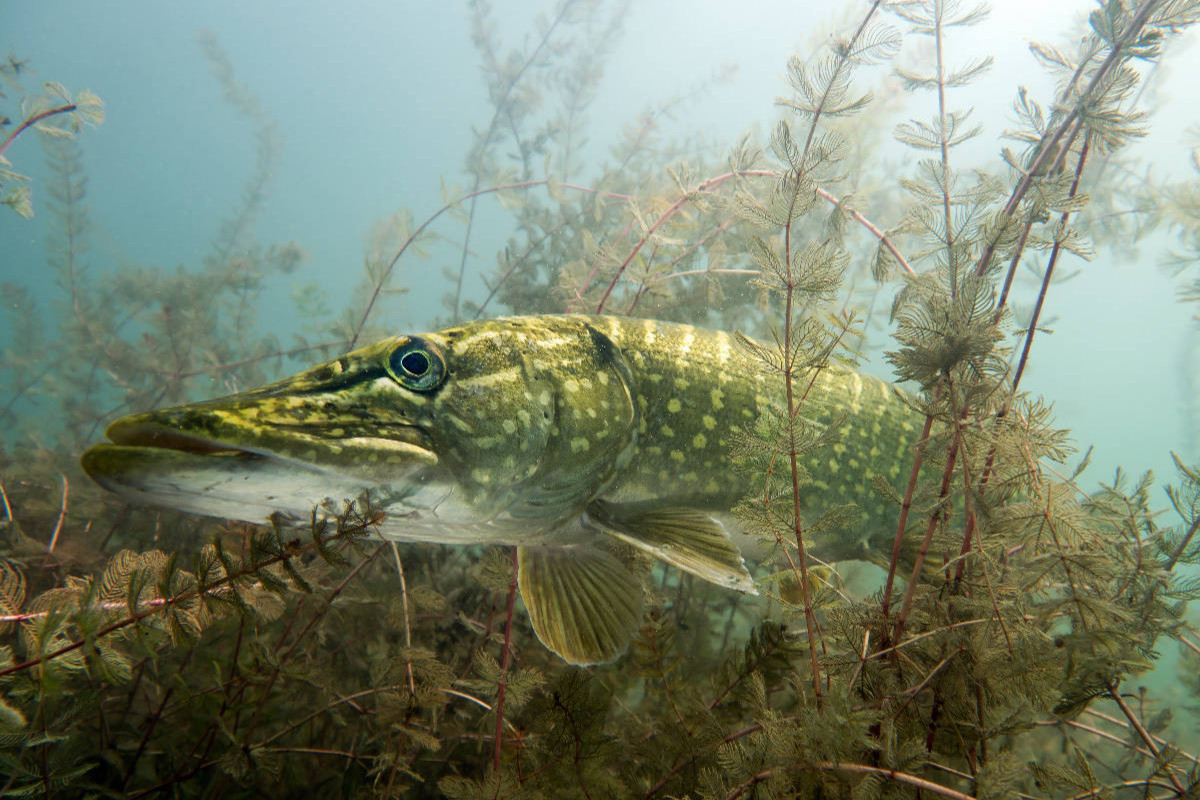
449 432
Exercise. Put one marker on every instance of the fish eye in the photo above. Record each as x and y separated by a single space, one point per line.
416 364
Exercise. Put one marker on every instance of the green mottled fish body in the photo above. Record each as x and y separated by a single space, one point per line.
552 433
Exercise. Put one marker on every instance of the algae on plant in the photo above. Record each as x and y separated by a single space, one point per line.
1000 653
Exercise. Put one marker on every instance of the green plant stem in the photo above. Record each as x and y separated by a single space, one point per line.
940 10
515 265
35 119
227 365
281 657
810 621
501 106
387 272
512 599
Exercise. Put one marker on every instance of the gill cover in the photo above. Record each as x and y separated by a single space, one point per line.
536 417
594 431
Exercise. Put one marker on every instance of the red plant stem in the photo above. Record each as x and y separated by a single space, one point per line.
35 119
880 235
1187 539
947 474
512 599
899 777
724 226
969 532
1136 724
909 491
1049 146
1054 254
708 185
290 552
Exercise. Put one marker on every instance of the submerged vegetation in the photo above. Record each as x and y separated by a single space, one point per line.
999 654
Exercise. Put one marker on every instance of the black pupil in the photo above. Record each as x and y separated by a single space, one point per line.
415 363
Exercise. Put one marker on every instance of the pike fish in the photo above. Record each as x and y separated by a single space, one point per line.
551 433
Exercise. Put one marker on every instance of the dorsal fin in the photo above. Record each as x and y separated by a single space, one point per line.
585 605
688 539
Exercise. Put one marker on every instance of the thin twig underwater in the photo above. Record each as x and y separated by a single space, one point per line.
674 505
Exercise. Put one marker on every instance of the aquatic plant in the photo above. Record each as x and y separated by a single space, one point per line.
1016 609
53 113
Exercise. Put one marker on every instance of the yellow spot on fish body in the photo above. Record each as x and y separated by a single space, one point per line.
709 422
681 383
673 405
677 455
509 426
579 444
591 412
667 430
699 441
834 466
571 385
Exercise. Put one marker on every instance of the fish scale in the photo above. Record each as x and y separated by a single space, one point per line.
557 434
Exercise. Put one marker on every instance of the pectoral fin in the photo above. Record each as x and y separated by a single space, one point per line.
585 604
690 540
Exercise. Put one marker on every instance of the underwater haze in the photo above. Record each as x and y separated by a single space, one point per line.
246 190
